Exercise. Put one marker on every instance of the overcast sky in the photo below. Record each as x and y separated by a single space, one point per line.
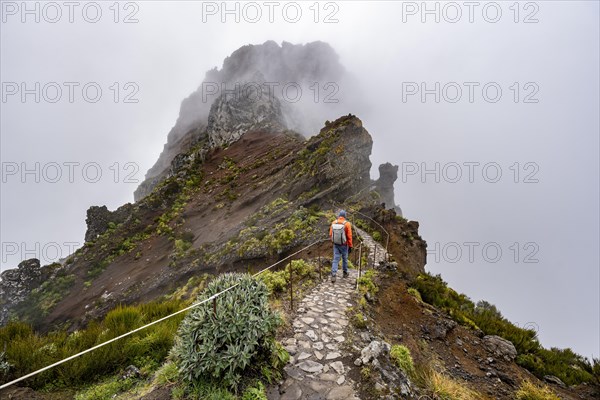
511 217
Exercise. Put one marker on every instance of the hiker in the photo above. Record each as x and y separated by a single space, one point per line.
340 233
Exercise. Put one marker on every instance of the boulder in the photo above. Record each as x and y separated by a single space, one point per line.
500 347
373 351
555 380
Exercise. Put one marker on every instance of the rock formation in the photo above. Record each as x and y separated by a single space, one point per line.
388 174
16 284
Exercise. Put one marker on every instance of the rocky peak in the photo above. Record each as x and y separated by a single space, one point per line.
207 107
249 107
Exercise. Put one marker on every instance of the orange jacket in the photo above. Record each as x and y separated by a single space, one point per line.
347 229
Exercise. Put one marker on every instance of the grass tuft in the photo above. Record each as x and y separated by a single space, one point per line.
531 391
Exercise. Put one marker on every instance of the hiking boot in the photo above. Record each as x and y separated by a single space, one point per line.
332 278
345 274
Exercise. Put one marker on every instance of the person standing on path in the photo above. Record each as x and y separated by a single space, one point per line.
340 233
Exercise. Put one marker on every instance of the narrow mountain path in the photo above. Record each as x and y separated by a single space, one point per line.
316 369
377 252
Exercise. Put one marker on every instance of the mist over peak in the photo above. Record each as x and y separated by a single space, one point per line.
305 83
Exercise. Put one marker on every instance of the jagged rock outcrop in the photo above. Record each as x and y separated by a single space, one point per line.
16 284
388 174
297 66
232 115
99 217
337 159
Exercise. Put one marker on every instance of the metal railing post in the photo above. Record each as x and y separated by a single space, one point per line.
359 263
375 257
291 289
320 276
387 253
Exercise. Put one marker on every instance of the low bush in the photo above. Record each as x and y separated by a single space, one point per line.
366 283
400 354
276 281
415 293
358 320
255 392
217 346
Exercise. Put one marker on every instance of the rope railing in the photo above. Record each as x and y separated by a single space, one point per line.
387 240
211 298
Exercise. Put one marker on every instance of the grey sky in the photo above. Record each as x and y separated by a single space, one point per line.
166 53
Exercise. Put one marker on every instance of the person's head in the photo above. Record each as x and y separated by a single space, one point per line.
342 213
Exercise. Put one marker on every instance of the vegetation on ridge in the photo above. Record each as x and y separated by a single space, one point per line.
568 366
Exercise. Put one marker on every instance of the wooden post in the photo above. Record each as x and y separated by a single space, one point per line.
215 307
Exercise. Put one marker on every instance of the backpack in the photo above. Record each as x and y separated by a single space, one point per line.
338 233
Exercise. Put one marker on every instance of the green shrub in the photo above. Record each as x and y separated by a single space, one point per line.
377 236
358 320
255 392
279 357
181 246
400 354
571 368
248 247
276 281
218 346
415 293
366 283
300 268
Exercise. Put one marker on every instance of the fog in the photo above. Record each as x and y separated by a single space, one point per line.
498 162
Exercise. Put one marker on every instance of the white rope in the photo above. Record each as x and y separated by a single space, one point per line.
214 296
